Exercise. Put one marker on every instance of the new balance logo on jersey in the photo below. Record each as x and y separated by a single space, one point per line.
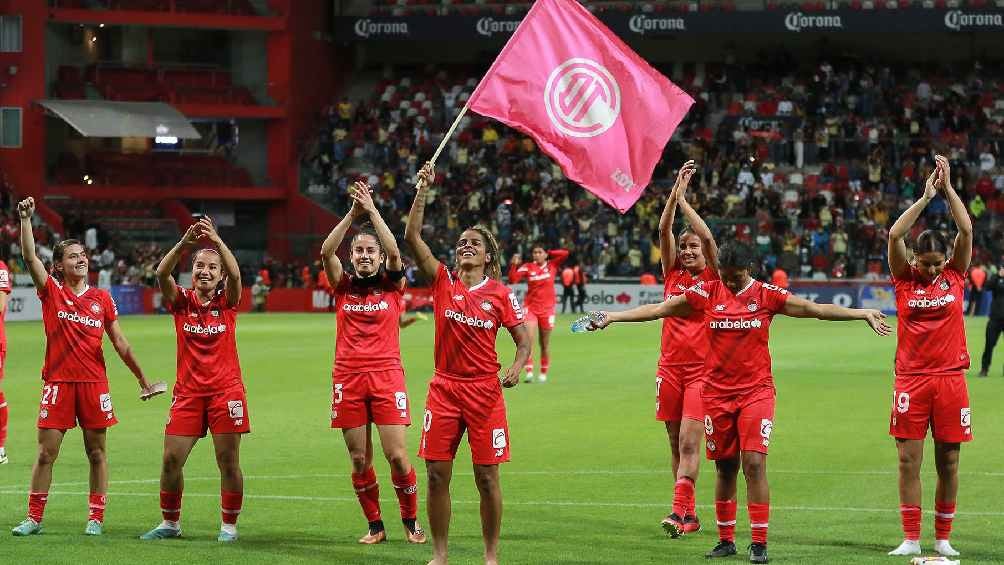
378 307
735 324
204 330
470 321
939 302
78 319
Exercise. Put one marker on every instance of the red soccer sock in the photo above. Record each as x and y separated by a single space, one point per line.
725 513
230 505
3 419
406 487
170 506
545 364
911 522
944 513
683 496
96 507
368 493
759 517
36 505
528 367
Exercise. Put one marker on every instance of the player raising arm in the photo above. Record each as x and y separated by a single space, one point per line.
209 392
739 393
5 289
681 373
466 390
75 384
368 383
931 360
541 299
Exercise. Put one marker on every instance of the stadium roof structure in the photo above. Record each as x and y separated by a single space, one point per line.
101 118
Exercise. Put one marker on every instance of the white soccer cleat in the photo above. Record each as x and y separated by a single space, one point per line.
542 378
908 547
528 378
945 549
3 456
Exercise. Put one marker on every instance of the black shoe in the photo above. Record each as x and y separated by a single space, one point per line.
723 549
983 373
758 553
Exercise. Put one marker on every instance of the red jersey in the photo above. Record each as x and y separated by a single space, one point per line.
368 335
540 295
5 287
684 340
467 322
74 329
931 337
207 344
739 328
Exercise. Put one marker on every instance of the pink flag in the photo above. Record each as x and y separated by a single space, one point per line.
586 98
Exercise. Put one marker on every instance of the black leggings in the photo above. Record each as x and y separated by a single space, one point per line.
994 329
568 295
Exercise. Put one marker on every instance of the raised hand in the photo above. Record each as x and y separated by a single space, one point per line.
192 234
945 172
26 207
208 230
362 198
426 176
876 319
516 259
683 179
931 186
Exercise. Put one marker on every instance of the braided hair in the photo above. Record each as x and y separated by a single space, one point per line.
492 257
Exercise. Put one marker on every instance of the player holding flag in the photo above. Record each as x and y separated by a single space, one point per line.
931 360
739 393
541 299
368 384
466 390
681 373
75 384
209 392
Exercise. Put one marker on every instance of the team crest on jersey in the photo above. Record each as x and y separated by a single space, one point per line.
95 307
711 445
944 285
752 306
43 414
486 306
377 292
215 313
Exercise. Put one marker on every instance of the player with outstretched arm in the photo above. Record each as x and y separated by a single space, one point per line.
739 392
209 393
74 382
931 360
466 390
541 300
368 382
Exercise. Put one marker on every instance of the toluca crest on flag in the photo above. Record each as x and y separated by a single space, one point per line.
589 101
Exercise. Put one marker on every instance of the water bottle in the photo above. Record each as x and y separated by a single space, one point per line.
582 324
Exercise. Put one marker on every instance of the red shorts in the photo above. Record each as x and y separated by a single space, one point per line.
941 403
64 404
221 413
741 422
678 393
379 397
475 405
541 317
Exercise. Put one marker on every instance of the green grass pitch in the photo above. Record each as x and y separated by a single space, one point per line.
589 481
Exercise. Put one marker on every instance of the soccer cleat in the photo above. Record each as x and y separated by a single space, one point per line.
691 525
528 378
226 537
908 547
758 553
418 536
944 549
161 533
373 538
27 528
542 378
983 373
723 549
3 456
93 528
673 525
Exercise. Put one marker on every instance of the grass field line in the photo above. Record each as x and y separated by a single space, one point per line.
583 472
568 503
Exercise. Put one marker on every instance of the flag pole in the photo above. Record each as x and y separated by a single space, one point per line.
449 134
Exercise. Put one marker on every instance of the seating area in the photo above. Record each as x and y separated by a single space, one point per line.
188 85
149 169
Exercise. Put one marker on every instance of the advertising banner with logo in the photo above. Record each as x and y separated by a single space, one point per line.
652 26
129 299
23 304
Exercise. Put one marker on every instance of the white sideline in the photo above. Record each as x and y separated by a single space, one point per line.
890 510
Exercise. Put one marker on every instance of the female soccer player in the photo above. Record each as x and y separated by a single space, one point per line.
75 385
539 306
739 394
466 389
209 391
368 379
5 289
680 376
931 360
